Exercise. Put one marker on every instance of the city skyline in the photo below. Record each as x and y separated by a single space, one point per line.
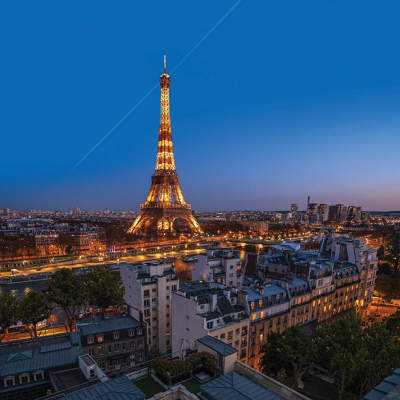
261 117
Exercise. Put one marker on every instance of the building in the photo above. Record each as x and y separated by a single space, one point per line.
35 367
165 202
220 266
268 307
294 209
201 308
312 209
115 342
323 212
148 290
337 213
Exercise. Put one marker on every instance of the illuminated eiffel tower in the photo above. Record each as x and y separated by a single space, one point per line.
165 202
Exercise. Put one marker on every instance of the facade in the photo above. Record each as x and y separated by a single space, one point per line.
115 342
323 212
220 266
200 309
148 290
165 202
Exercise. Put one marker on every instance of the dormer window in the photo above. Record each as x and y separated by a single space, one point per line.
90 339
116 335
100 338
39 375
131 332
9 381
139 332
24 378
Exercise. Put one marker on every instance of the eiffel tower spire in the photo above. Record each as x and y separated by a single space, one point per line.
165 201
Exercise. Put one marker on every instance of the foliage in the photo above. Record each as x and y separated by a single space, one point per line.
183 271
339 349
290 352
393 324
104 289
392 249
176 369
66 290
377 359
33 309
387 286
356 358
8 312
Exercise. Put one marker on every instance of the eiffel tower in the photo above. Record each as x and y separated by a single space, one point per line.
165 202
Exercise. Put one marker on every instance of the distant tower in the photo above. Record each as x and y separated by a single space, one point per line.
308 202
165 201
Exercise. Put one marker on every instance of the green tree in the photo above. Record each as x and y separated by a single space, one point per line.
292 351
33 309
104 289
8 312
392 250
393 324
339 347
66 290
378 357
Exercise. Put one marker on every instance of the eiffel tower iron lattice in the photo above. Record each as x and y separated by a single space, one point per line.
165 202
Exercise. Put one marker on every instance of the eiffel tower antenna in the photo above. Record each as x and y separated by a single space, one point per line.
165 202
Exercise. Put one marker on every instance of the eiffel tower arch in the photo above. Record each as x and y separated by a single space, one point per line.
165 201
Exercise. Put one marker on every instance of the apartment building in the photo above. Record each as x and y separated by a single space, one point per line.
201 308
221 266
148 290
115 342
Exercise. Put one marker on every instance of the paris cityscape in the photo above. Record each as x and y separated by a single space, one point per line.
249 250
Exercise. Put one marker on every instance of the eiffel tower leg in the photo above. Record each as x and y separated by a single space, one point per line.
137 224
193 224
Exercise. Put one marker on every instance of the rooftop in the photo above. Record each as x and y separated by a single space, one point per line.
39 354
112 322
388 389
217 345
117 389
234 386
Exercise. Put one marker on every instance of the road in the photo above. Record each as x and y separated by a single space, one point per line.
128 259
25 335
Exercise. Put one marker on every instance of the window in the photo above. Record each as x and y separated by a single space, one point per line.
139 331
141 356
102 363
167 305
116 347
91 352
131 332
153 290
90 339
147 303
109 348
174 288
147 313
131 344
10 381
154 299
100 338
222 336
123 346
140 343
38 376
101 350
146 293
210 325
116 335
24 378
230 335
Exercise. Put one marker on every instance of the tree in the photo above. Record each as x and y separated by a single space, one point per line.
66 290
393 324
292 351
378 358
33 309
183 271
392 250
104 289
339 347
8 312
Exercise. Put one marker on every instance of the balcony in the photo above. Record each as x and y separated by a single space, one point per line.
164 205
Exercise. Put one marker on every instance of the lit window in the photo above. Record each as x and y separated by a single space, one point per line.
100 338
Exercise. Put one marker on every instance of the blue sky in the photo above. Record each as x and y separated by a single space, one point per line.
284 99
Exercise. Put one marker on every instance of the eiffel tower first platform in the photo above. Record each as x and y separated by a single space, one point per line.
165 202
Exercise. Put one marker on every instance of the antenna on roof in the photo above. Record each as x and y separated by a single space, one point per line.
165 64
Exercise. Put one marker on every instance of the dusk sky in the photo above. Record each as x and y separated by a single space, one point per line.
283 99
